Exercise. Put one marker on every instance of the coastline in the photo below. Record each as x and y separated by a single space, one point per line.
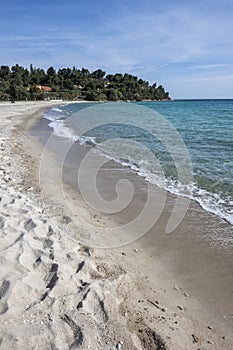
131 297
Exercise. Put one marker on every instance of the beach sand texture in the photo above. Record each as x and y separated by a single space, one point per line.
56 293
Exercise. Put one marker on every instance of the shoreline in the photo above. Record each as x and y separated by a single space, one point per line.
205 198
124 287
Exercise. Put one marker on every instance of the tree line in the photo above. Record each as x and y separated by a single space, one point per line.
19 83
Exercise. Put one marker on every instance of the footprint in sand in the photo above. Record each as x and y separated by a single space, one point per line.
3 290
77 332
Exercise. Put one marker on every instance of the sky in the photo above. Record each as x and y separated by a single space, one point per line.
187 46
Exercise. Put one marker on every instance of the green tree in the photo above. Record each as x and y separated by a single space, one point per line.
4 72
98 74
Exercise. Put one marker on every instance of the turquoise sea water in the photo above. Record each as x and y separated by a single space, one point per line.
205 127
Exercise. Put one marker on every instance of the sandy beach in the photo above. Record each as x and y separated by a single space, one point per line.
161 292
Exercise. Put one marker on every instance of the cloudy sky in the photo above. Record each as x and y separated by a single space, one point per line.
185 45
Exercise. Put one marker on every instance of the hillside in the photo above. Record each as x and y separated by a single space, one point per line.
19 83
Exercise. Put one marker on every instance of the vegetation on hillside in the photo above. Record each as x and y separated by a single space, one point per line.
19 83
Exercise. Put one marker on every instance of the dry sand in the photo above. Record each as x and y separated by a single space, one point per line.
56 293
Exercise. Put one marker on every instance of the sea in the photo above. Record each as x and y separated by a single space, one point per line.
183 146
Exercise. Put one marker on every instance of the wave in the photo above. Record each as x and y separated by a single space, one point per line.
54 113
60 129
211 202
57 109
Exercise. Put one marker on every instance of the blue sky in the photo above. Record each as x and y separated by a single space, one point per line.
187 46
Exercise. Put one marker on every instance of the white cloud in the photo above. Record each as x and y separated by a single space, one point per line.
208 66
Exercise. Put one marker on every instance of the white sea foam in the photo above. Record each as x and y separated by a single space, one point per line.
87 140
57 109
54 113
60 129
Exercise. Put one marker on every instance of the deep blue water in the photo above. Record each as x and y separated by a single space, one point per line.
181 136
